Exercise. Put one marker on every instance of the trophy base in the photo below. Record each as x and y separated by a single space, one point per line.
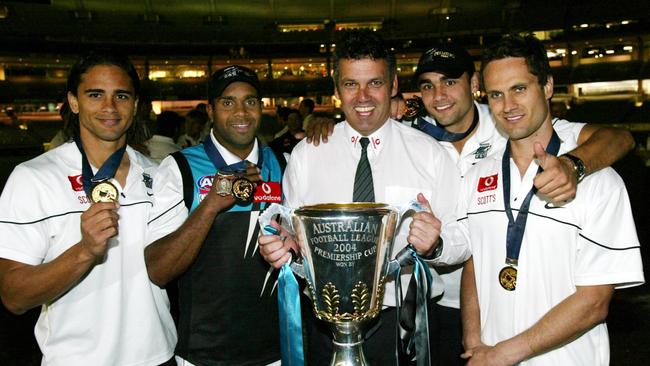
348 345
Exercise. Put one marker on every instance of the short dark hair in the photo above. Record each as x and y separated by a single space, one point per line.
168 124
528 47
137 132
360 44
284 112
198 115
309 104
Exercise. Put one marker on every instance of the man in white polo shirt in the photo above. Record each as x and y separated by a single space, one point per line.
80 257
405 163
447 81
537 288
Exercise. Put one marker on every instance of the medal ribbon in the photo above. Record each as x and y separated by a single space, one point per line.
291 346
440 134
220 164
516 228
106 171
415 341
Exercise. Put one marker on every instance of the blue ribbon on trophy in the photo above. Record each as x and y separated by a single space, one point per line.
346 292
291 345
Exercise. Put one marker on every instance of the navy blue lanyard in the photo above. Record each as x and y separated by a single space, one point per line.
107 170
440 134
220 164
517 227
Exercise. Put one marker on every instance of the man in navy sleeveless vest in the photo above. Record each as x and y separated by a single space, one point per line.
227 303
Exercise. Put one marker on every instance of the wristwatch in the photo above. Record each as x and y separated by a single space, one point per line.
578 166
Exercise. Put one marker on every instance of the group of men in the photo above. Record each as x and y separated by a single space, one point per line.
542 253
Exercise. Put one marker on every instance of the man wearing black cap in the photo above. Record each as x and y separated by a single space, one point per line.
447 81
207 237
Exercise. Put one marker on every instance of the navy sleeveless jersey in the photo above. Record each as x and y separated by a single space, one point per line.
228 298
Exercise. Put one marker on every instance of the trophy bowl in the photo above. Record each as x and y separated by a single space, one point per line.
346 250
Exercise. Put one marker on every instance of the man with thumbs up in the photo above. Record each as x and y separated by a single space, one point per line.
537 288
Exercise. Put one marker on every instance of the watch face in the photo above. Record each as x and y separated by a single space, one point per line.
578 166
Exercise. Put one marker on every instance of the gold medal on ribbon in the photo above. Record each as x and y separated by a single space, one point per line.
508 278
223 184
105 191
242 189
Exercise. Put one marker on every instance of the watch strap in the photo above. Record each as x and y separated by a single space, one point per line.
578 166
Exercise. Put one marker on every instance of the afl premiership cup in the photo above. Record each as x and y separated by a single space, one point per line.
345 256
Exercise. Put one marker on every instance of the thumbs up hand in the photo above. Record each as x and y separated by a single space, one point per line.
424 231
558 181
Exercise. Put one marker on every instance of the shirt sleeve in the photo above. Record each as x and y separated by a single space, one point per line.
23 228
568 131
608 250
291 182
446 193
169 210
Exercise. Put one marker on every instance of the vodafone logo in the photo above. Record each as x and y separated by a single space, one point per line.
76 183
266 188
268 192
488 183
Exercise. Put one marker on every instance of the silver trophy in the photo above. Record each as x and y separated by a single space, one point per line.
345 255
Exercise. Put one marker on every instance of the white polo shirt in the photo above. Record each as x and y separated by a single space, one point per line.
485 141
404 162
115 315
589 241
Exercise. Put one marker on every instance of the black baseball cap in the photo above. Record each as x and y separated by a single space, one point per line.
449 59
224 77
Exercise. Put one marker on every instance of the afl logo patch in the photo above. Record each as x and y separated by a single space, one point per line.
205 184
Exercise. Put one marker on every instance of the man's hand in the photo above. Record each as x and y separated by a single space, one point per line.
558 182
275 248
319 129
397 107
483 355
98 224
253 173
424 230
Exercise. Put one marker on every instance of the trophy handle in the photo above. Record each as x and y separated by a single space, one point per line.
285 214
407 210
404 212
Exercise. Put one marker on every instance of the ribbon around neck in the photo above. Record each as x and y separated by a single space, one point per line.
516 228
106 171
441 134
220 164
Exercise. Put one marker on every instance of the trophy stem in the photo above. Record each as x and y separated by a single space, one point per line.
348 345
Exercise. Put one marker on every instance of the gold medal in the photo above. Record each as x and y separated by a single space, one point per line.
242 189
223 184
105 191
508 278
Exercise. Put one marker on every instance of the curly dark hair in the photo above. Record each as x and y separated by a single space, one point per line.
359 44
527 47
137 132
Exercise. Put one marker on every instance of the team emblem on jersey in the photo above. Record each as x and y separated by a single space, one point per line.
268 192
76 183
147 180
482 150
488 183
